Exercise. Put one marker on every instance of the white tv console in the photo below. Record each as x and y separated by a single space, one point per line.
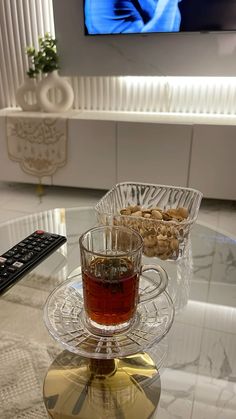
105 148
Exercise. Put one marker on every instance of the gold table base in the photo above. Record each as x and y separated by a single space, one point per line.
78 387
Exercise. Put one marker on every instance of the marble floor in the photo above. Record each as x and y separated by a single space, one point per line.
18 199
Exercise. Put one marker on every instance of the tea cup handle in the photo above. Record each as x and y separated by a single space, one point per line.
156 286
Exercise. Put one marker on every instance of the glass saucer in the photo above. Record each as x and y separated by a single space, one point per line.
64 319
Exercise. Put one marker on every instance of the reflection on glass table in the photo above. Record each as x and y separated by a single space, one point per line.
180 273
199 371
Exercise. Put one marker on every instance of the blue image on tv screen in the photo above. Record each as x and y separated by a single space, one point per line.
131 16
103 17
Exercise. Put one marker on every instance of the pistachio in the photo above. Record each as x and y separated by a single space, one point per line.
137 214
156 214
149 251
149 241
183 212
125 211
166 216
135 208
174 244
146 211
172 212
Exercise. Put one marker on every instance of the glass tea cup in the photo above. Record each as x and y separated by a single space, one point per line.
111 267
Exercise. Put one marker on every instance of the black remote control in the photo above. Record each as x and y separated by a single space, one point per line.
26 255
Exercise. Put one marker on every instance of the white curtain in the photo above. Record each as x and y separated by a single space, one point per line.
21 23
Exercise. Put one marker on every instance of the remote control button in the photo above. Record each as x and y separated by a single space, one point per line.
30 246
4 274
2 260
18 264
41 237
17 255
22 244
2 267
54 236
39 232
9 261
11 269
8 254
24 250
27 257
37 248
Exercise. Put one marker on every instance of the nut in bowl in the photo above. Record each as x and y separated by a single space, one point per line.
162 214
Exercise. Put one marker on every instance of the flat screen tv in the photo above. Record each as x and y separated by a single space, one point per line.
103 17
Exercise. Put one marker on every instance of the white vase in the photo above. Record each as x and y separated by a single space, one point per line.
62 100
26 95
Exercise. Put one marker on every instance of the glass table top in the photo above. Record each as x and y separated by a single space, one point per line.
195 365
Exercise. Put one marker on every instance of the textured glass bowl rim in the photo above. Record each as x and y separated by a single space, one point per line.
190 221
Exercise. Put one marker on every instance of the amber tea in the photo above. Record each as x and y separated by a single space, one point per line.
110 289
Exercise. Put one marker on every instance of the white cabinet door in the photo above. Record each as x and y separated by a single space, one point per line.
213 167
153 153
91 159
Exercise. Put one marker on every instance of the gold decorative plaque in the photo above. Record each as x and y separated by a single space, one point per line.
38 144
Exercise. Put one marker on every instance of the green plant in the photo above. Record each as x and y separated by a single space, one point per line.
46 59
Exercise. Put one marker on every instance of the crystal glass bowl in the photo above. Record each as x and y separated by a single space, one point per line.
162 214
